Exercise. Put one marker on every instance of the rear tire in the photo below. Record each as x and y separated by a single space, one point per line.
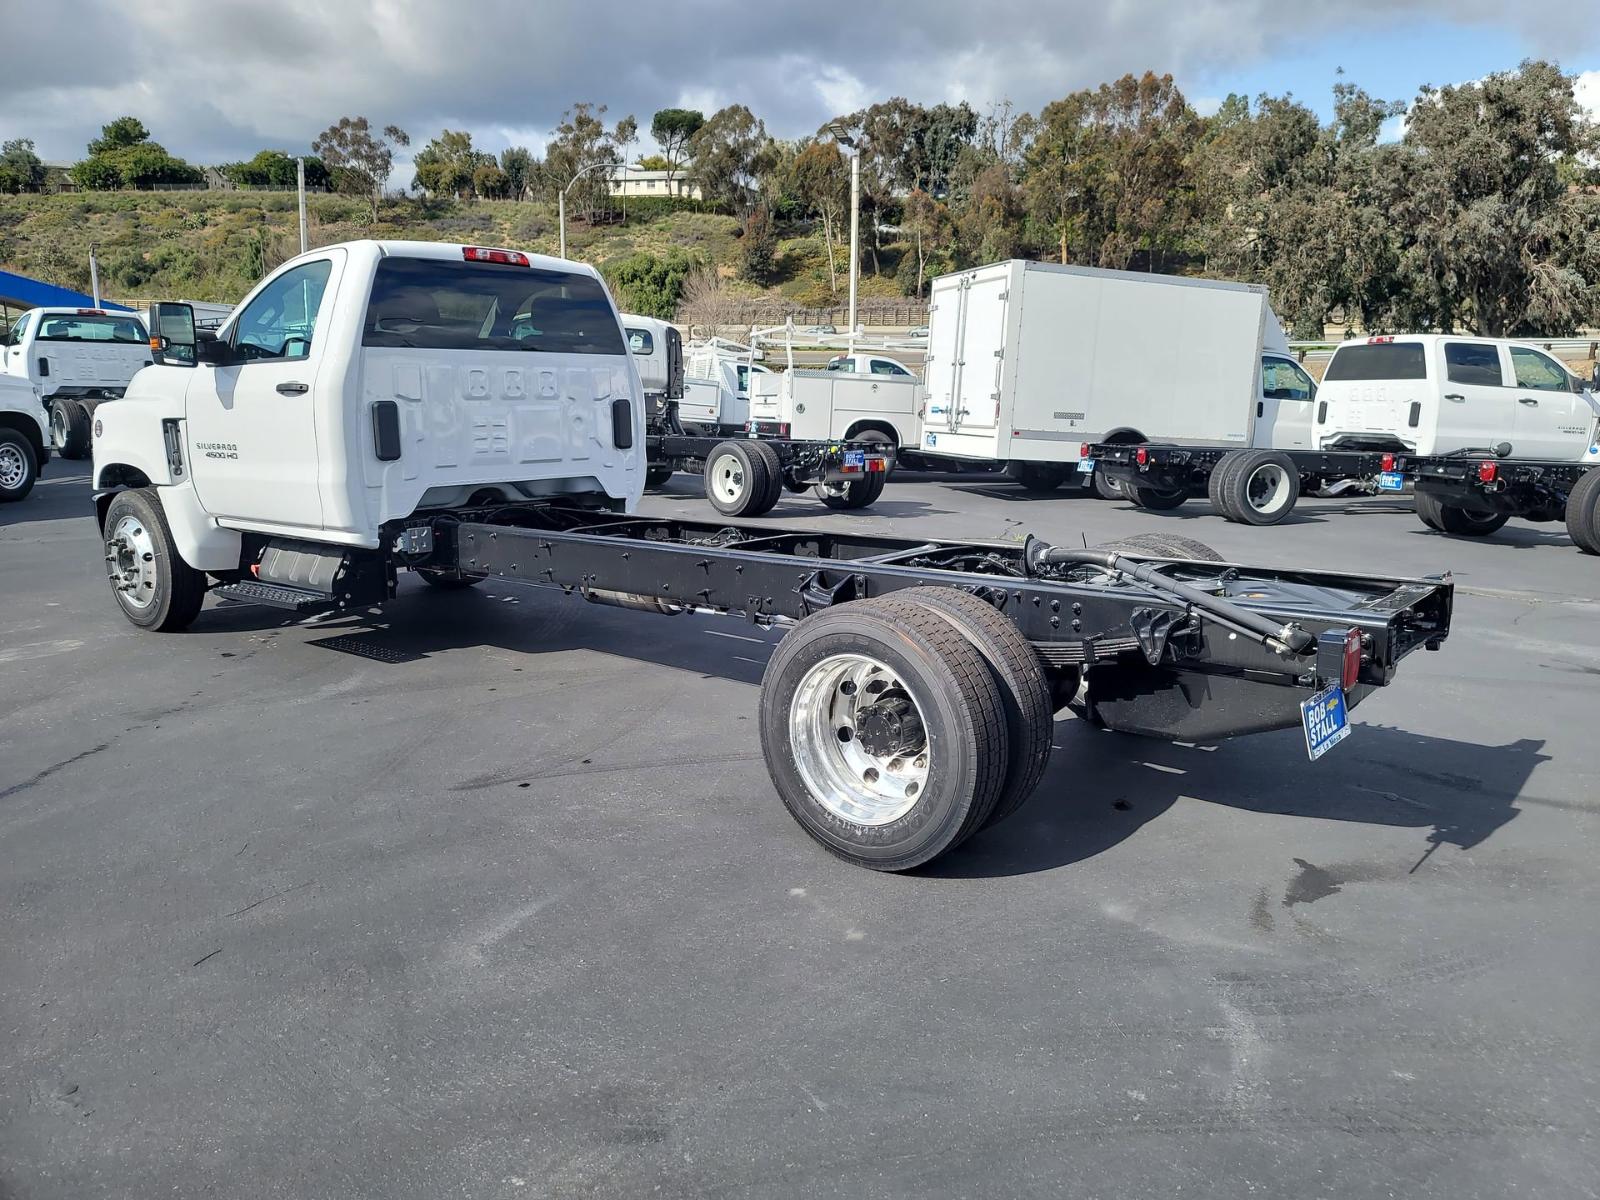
1105 488
1583 512
1156 500
736 479
769 455
1165 545
69 427
1447 518
152 584
1262 488
1039 478
19 466
1030 710
854 493
884 731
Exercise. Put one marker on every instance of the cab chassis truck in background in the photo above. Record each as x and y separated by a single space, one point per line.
911 701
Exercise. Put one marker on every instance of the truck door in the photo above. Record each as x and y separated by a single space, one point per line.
1551 421
1283 411
16 364
975 406
1475 406
252 431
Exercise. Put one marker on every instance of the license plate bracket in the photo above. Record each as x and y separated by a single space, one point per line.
1325 719
1391 481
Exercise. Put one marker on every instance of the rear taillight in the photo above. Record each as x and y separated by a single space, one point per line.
1488 471
1388 462
1083 450
1379 341
1141 456
1352 659
510 258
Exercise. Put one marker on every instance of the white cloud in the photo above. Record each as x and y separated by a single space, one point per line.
1587 92
219 79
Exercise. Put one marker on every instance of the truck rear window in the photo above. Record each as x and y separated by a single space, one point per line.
1387 360
64 328
436 304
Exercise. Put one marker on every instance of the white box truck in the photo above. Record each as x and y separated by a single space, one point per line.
1029 361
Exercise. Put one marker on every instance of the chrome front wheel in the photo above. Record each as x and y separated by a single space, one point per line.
131 562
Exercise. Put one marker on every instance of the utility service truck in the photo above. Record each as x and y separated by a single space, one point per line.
470 413
1486 428
76 357
701 426
24 437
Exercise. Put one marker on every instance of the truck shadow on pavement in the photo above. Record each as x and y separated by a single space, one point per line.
1102 788
59 495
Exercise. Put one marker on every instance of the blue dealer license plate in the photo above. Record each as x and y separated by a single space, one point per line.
1391 481
1086 466
855 458
1326 721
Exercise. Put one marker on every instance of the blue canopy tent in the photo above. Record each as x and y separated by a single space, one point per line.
18 291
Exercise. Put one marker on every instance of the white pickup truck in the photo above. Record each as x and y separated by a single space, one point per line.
24 437
465 412
76 357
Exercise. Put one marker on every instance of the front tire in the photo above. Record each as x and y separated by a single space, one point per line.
1157 500
884 731
152 584
1105 487
69 427
19 466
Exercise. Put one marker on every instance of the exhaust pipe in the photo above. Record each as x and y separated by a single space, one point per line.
1341 486
634 601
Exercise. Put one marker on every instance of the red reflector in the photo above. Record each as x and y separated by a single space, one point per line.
1388 462
1141 456
1083 450
510 258
1352 658
1488 470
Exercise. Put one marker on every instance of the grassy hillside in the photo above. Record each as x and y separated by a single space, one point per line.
214 245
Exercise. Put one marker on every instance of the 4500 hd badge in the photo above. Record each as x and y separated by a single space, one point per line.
217 449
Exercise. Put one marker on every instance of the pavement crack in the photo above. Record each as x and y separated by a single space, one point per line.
49 771
264 899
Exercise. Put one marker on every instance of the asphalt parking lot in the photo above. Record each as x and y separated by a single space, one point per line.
490 896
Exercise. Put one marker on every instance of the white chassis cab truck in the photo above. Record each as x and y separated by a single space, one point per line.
24 437
467 413
76 357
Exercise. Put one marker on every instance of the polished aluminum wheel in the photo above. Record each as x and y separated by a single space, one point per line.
13 466
131 562
727 478
858 740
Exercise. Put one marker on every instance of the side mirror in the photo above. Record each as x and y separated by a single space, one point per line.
172 338
1594 378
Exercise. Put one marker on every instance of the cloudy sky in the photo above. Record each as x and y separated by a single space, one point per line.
217 80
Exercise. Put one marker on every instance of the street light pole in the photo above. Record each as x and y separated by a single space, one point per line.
855 236
841 134
561 200
300 188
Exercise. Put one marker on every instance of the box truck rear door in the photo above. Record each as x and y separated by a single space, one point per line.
977 403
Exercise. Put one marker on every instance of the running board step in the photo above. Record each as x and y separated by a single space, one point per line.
275 595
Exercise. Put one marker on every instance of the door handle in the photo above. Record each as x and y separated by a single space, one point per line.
294 389
1527 400
1454 396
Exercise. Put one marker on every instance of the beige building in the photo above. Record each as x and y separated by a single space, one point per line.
631 181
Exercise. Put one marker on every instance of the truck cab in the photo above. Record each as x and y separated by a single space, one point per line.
364 382
1285 406
76 357
869 364
1433 394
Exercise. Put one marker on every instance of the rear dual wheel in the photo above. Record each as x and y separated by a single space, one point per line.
862 492
1583 512
743 477
69 427
1447 518
1255 487
895 728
